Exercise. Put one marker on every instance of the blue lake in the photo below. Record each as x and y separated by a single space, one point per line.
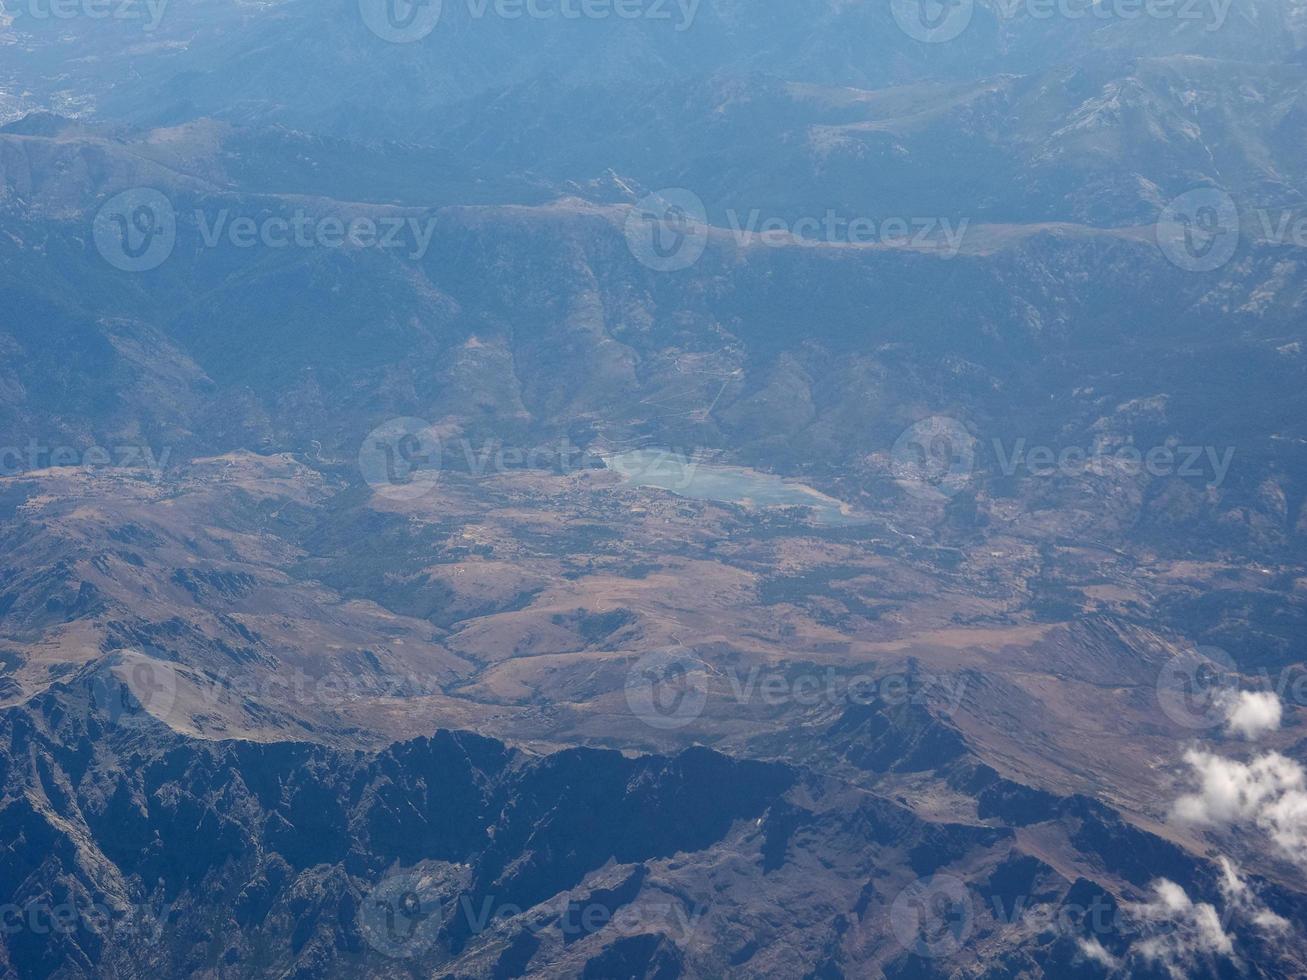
688 477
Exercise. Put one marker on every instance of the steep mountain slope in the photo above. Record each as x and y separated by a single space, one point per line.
336 376
456 854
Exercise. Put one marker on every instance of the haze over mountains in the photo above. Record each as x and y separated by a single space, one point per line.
333 642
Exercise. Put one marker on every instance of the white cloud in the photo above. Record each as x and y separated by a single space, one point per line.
1243 901
1269 793
1178 934
1178 931
1253 713
1093 950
